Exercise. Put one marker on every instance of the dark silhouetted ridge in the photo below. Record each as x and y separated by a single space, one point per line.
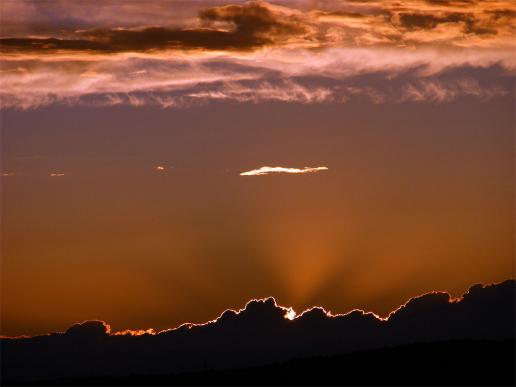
260 334
464 362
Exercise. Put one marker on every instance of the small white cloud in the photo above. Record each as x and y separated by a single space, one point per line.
159 168
57 174
268 170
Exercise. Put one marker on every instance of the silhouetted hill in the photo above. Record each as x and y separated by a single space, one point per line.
467 362
260 334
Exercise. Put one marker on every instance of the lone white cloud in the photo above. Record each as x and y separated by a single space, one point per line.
269 170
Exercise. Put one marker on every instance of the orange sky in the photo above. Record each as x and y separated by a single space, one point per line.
128 192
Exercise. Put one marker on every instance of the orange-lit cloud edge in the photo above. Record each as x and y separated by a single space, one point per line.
290 315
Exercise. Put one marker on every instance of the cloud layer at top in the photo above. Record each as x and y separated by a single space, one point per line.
218 25
176 54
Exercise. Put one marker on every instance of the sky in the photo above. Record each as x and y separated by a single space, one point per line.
164 161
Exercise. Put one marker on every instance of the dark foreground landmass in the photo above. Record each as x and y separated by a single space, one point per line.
464 362
260 334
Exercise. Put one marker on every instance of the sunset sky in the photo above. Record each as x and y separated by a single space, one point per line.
163 161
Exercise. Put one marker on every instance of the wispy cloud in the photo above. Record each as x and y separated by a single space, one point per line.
176 56
269 170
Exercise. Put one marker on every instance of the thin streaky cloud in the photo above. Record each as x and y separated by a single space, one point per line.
268 170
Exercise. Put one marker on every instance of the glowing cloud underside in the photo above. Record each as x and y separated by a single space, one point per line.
268 170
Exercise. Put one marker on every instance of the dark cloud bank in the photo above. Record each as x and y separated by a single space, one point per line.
259 334
252 25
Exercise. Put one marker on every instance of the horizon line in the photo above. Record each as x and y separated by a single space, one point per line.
290 314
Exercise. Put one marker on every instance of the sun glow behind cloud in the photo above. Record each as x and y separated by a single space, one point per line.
269 170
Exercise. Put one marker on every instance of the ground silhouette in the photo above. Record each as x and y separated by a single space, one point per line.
260 334
466 362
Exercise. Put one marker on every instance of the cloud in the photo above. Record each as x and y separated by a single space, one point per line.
268 170
341 75
261 332
89 329
428 21
251 25
181 54
241 27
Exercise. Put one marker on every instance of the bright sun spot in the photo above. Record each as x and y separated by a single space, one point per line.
291 314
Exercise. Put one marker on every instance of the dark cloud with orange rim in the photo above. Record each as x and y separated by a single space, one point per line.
261 332
254 24
248 26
